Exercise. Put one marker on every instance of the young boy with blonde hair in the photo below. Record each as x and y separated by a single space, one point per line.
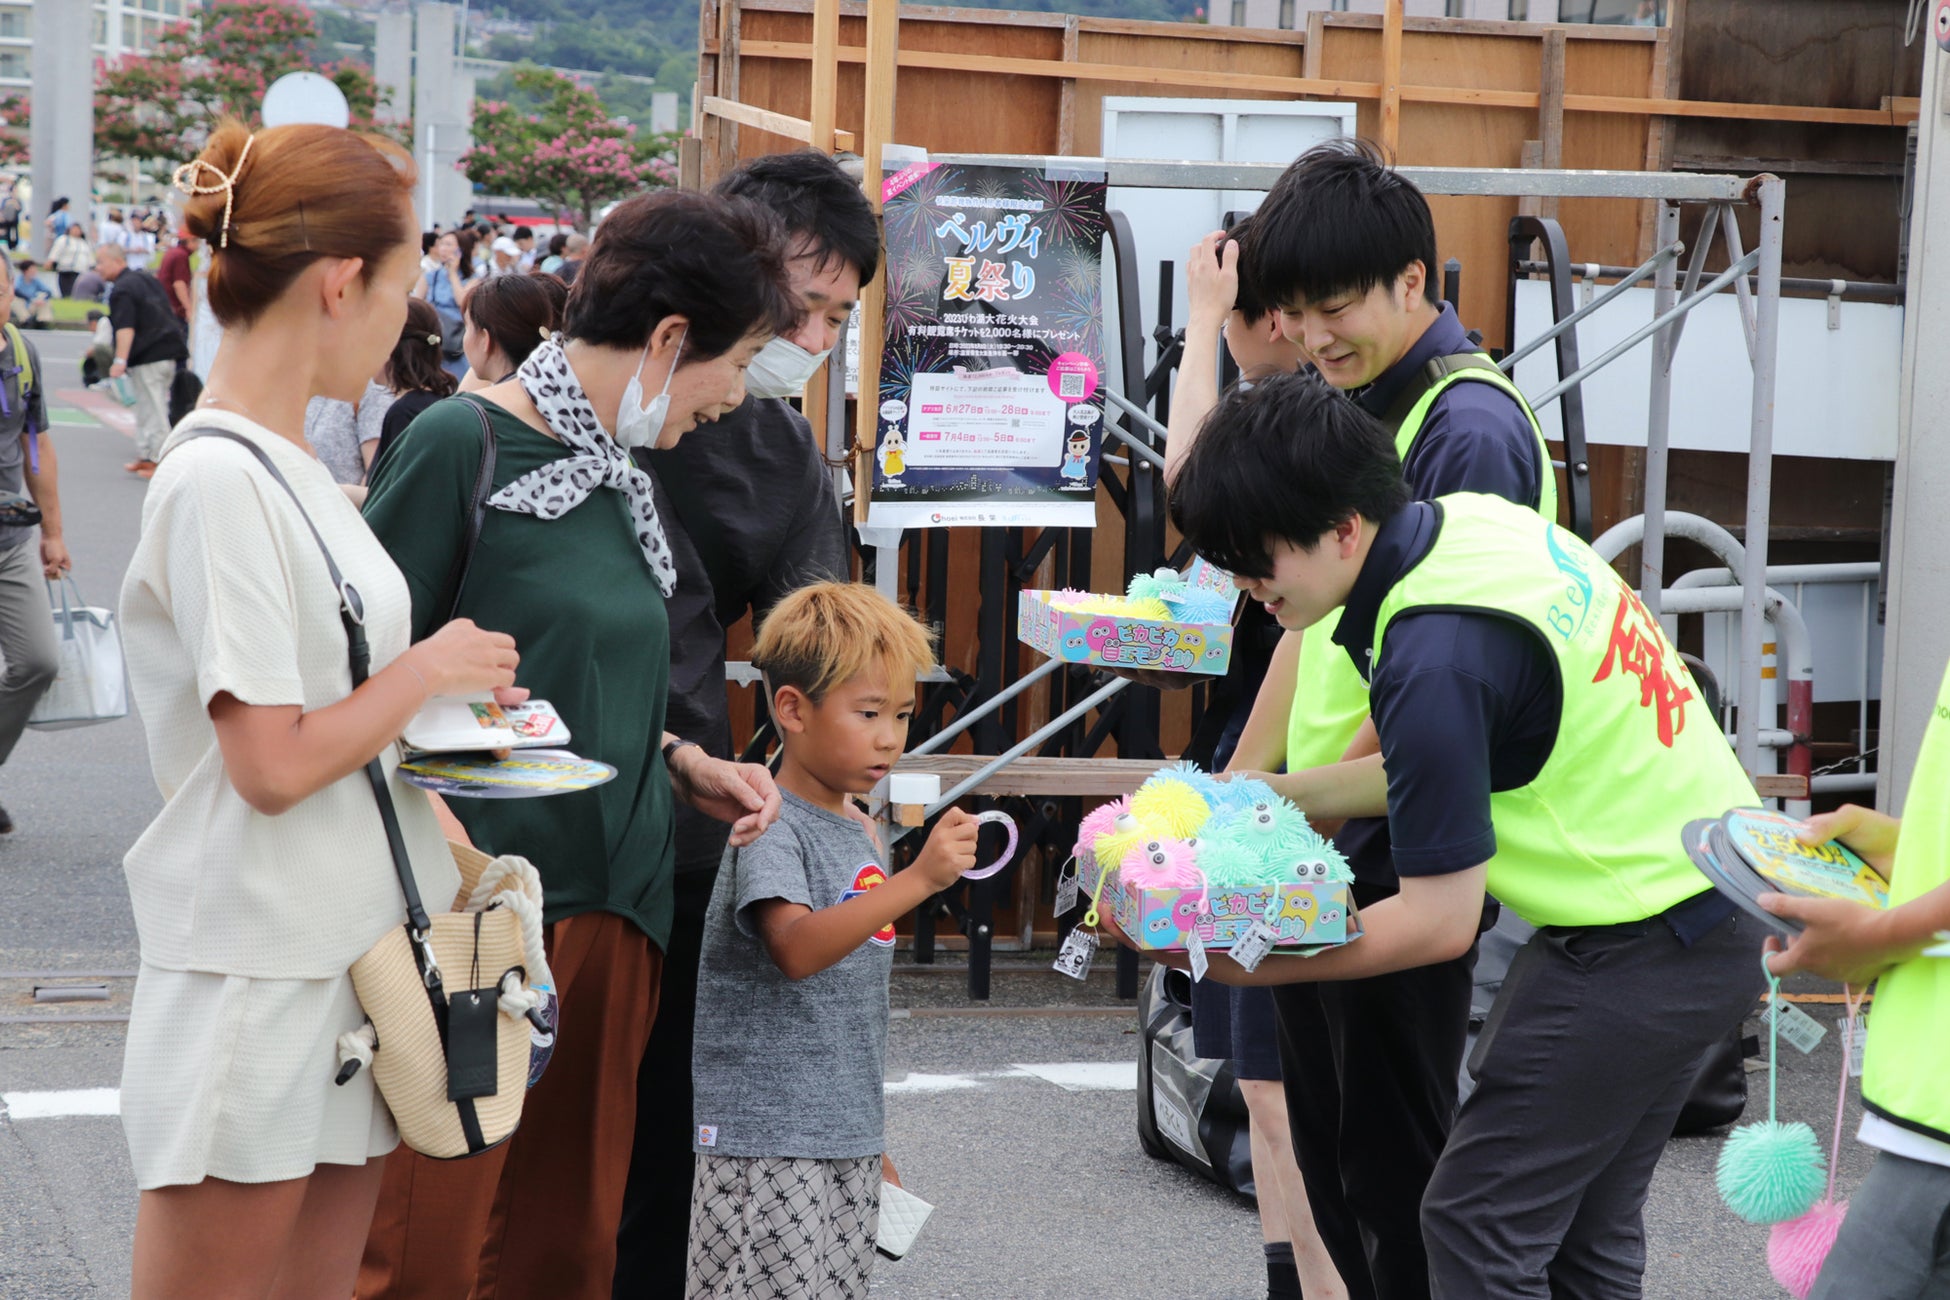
798 947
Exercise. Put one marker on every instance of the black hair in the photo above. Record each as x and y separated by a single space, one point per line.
414 365
524 232
1339 220
516 312
428 238
718 262
557 242
1287 459
57 205
823 209
1250 301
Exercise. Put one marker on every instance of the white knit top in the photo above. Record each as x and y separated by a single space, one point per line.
227 591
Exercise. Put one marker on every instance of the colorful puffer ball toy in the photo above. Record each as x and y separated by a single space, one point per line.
1770 1172
1172 805
1098 821
1158 583
1125 834
1192 774
1197 605
1320 862
1069 598
1276 830
1160 864
1798 1248
1241 793
1227 863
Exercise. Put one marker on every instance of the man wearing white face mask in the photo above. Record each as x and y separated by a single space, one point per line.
751 516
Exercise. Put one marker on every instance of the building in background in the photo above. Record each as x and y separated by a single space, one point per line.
120 27
1292 14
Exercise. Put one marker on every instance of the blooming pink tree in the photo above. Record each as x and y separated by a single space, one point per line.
569 154
162 105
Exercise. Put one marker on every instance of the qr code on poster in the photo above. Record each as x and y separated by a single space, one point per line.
1070 385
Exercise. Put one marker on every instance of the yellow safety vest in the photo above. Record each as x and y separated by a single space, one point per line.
1330 701
1594 839
1907 1061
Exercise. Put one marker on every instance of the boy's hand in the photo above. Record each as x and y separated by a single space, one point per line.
1872 835
950 849
1840 940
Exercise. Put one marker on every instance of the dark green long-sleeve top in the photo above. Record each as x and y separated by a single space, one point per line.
588 620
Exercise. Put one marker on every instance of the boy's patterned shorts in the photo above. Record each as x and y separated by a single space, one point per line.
773 1228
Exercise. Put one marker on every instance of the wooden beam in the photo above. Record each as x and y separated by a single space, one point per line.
1626 105
1550 113
1391 79
825 74
1066 94
792 128
1085 778
882 59
730 64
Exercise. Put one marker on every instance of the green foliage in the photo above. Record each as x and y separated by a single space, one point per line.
558 142
163 105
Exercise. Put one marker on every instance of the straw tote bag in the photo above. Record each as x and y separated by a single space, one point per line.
452 1066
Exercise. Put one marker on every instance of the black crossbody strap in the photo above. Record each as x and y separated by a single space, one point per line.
351 613
477 509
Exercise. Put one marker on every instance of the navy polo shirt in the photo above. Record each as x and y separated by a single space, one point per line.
1475 440
1465 704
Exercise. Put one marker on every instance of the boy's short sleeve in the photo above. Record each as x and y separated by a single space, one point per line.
774 866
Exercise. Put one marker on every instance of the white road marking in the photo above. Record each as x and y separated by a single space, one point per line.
1088 1076
60 1105
1071 1076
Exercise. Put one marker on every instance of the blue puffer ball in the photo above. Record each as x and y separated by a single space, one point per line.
1771 1172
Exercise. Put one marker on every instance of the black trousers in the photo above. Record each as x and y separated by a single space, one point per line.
653 1238
1580 1072
1371 1068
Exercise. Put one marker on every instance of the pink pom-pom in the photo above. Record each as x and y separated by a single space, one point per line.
1160 864
1098 822
1797 1248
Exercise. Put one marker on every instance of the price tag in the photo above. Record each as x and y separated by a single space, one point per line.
1801 1030
1253 946
1069 886
1078 951
1855 1033
1195 946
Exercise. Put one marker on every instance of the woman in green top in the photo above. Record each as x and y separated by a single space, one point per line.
678 292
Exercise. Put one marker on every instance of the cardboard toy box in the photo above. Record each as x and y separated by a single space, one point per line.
1124 641
1304 915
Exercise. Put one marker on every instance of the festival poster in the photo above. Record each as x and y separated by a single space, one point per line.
990 411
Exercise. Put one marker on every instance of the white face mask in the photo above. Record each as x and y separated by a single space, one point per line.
638 422
782 369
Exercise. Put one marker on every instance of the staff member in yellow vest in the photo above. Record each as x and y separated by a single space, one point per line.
1895 1243
1346 247
1543 741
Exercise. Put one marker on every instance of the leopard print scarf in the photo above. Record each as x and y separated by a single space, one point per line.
596 461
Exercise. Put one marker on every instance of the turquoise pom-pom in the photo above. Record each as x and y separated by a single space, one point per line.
1155 586
1197 605
1771 1172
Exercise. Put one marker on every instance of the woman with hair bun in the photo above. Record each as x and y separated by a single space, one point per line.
507 317
413 373
680 290
268 872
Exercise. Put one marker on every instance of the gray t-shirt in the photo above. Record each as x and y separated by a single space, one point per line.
338 434
14 421
786 1067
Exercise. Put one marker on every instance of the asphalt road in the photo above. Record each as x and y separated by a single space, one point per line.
1040 1185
